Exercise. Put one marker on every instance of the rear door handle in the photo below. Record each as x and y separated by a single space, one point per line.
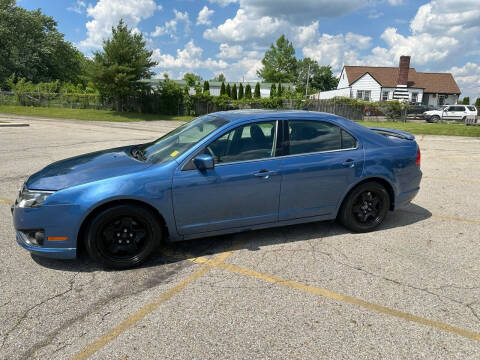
264 173
349 163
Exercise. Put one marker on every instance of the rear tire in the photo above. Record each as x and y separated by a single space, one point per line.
123 236
365 207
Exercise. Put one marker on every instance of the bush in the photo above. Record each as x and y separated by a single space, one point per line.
248 92
256 94
234 92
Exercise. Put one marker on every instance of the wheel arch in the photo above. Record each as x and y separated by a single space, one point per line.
105 205
388 186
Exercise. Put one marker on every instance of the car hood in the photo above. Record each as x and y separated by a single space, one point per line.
85 168
432 112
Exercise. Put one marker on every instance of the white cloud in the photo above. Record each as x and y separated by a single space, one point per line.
79 7
300 12
189 58
306 34
170 27
396 2
230 51
106 14
468 79
204 16
222 3
243 28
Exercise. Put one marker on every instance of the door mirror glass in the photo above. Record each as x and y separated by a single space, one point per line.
204 162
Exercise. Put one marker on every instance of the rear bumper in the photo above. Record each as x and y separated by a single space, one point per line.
56 221
406 197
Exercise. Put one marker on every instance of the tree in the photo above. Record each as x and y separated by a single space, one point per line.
466 100
124 61
279 90
248 92
240 92
234 92
223 91
192 78
321 78
279 63
31 47
477 102
256 94
219 78
273 91
229 91
206 86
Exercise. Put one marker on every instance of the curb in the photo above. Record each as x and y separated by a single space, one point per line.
13 124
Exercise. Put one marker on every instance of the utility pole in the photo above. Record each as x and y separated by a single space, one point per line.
308 78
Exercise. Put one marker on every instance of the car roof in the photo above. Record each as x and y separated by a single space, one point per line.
252 114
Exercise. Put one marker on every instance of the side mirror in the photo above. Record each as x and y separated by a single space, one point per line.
204 162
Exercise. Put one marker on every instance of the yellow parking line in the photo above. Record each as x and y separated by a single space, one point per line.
6 201
456 219
346 299
147 309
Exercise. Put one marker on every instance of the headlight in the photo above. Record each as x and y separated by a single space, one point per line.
31 198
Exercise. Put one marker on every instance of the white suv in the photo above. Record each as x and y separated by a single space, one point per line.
466 113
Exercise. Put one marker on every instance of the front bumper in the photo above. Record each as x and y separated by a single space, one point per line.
56 221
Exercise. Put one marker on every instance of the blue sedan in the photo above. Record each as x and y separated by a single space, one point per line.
221 173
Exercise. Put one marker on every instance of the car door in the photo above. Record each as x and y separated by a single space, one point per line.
322 161
460 112
241 190
448 113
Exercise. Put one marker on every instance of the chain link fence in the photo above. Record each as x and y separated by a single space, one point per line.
175 105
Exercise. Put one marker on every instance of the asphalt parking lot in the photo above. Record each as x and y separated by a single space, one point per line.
313 291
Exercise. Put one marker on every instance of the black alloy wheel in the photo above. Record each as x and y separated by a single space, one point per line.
123 236
365 207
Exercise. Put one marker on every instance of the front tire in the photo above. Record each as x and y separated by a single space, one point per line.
435 118
123 236
365 207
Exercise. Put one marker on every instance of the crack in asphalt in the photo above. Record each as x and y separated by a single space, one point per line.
25 313
159 277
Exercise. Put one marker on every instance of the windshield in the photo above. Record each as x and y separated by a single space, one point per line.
176 142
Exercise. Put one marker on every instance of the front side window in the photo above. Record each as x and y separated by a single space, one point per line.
316 136
248 142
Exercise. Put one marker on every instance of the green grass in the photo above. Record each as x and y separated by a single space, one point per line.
429 129
106 115
86 114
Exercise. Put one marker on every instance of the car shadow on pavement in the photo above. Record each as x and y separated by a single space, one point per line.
250 240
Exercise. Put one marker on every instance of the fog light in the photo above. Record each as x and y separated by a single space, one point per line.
34 237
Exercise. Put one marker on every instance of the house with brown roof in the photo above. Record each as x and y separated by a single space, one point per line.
372 83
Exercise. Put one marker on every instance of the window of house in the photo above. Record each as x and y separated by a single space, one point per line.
368 95
385 95
441 99
248 142
414 97
314 136
364 95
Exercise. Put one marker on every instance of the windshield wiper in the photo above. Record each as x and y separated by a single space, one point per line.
138 153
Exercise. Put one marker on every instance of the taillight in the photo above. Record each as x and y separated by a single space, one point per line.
417 162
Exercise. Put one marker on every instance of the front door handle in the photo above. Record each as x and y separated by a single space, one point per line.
349 163
264 173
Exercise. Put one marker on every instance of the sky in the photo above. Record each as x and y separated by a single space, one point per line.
209 37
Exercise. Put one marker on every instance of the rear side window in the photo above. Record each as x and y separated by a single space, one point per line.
471 108
348 141
313 136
